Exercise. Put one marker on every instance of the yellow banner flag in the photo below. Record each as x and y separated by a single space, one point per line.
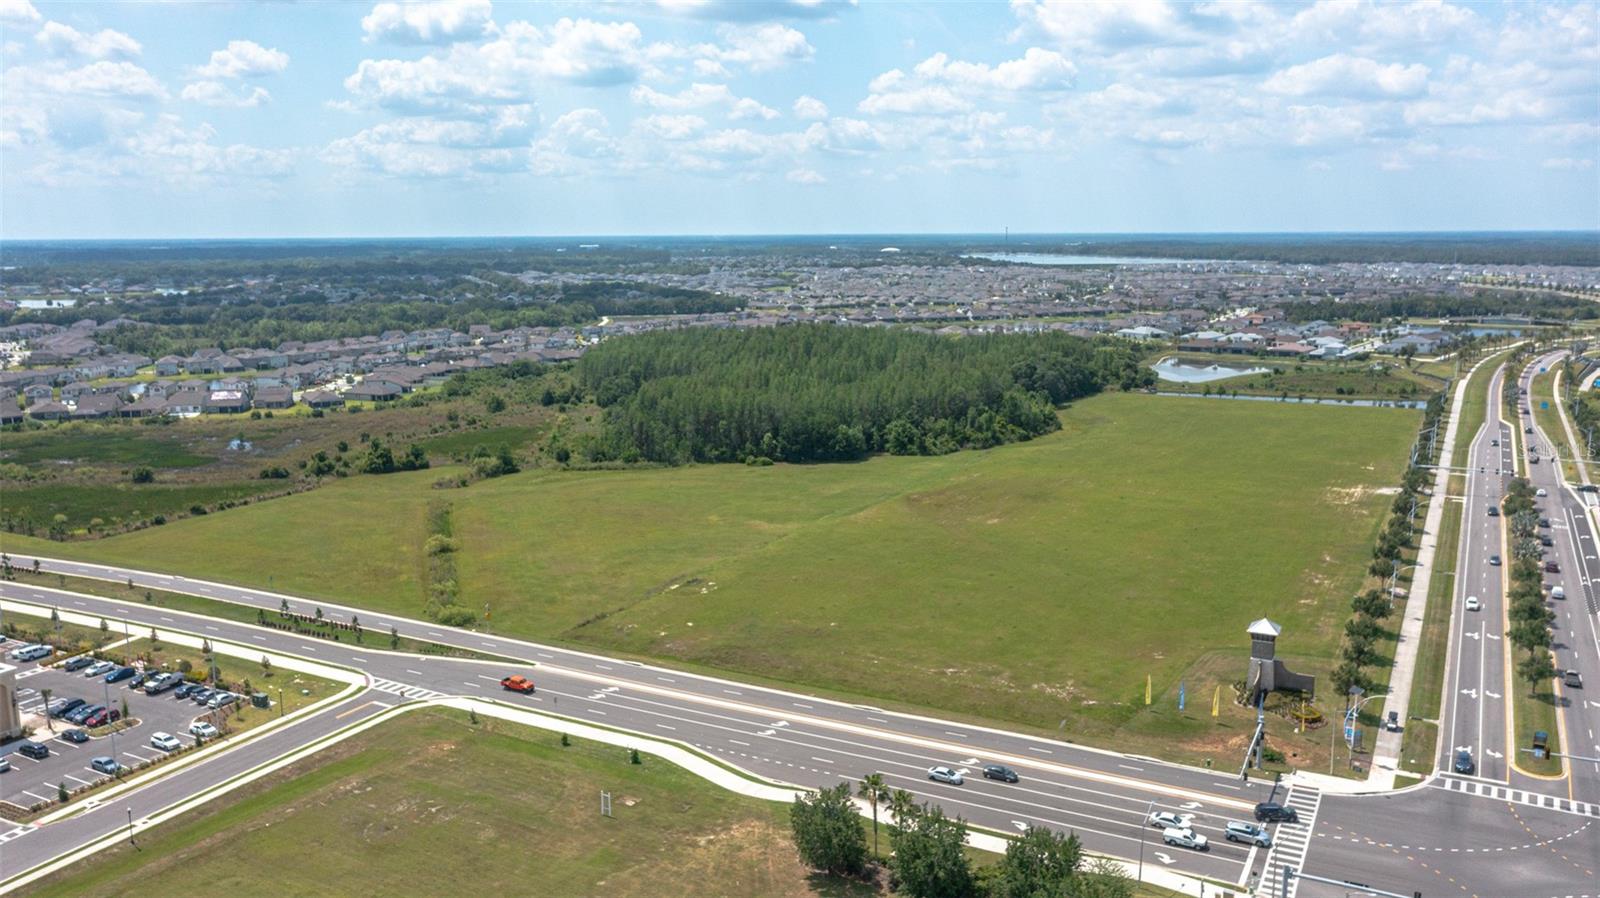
1216 702
1147 689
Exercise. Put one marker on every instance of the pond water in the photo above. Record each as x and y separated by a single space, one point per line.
1190 373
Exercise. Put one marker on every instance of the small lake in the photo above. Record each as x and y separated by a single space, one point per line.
1060 259
1188 373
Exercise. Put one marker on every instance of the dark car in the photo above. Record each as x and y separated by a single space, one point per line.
139 680
120 674
1463 763
76 737
35 750
1546 541
67 706
102 717
1550 567
1494 511
201 695
1544 522
78 663
1000 772
184 689
1272 812
82 712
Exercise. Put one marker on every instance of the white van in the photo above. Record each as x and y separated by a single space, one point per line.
1557 592
31 652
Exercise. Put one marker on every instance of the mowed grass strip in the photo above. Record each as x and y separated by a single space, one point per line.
427 802
1035 583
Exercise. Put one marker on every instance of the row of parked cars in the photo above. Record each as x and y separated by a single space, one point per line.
152 682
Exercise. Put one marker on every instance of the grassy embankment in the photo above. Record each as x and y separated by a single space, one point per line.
246 614
429 801
1533 706
1036 584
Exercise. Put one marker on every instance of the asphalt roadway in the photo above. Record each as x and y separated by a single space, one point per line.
1496 833
784 736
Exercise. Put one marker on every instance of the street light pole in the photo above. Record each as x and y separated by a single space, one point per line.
130 826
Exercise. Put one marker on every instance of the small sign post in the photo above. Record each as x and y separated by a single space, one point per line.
605 804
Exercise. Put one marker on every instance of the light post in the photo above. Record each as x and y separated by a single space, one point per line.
1394 579
1354 718
130 826
280 701
1143 824
112 724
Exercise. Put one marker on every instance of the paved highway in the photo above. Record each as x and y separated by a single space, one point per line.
784 736
1576 633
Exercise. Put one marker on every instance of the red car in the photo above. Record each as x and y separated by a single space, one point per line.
101 718
1550 567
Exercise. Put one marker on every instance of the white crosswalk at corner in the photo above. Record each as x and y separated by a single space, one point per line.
1517 796
404 691
1290 842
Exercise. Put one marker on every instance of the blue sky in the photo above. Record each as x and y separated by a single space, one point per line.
464 117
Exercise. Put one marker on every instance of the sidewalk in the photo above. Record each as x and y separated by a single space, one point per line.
1386 752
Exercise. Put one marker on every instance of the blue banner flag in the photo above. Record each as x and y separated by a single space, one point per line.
1180 695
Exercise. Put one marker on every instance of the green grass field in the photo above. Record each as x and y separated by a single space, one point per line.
83 504
426 802
99 444
1037 584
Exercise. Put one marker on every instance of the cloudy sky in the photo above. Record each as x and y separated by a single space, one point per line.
466 117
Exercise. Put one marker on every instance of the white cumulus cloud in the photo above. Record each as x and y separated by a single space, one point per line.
64 40
1343 75
810 108
243 59
432 22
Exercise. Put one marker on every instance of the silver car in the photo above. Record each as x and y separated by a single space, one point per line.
945 775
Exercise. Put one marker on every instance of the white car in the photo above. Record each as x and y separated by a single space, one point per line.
165 741
1184 837
98 668
945 775
1540 492
203 730
1473 604
5 764
1168 820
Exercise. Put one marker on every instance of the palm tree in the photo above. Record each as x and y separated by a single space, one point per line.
903 806
874 790
48 720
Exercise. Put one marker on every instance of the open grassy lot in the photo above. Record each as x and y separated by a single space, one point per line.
90 508
429 801
1037 583
77 442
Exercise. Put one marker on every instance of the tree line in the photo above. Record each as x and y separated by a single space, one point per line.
929 858
809 393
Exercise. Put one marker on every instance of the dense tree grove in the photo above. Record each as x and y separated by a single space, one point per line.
827 393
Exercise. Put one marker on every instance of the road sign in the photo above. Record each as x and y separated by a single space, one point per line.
1544 406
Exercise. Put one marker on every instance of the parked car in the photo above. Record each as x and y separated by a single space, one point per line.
105 764
1544 522
184 690
99 668
82 712
1540 492
1463 763
945 775
1247 832
5 764
1573 678
1000 772
165 741
35 750
78 663
120 674
1533 460
1167 820
67 706
1473 604
200 695
221 700
1183 837
139 679
102 717
1550 567
1546 541
31 652
203 730
1272 812
161 683
76 737
1558 593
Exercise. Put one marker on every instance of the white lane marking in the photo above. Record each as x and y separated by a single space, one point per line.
1129 767
737 742
416 672
955 734
665 727
472 684
595 711
1042 751
489 678
823 760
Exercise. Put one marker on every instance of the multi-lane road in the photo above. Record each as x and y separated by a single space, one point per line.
1495 834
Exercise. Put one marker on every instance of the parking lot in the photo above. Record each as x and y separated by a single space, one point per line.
31 781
